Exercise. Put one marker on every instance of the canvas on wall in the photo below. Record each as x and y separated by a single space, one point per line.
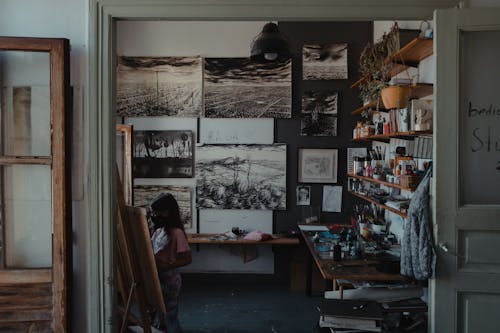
317 124
241 176
144 194
242 88
324 61
324 102
163 154
159 86
237 131
318 165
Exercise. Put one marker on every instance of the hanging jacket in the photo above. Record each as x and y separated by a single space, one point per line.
418 257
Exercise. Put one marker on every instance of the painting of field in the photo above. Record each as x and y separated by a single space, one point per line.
324 102
241 88
241 176
144 194
159 86
163 154
324 61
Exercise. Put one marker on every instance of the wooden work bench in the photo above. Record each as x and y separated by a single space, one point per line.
213 239
345 269
248 247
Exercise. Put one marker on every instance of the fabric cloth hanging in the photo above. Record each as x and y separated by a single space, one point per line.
418 257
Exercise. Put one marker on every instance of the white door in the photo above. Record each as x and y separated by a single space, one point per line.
465 296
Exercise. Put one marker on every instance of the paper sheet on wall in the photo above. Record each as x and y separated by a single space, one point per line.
332 199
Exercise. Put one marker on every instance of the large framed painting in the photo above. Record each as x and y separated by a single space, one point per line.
242 88
159 86
241 176
163 154
318 165
144 194
324 61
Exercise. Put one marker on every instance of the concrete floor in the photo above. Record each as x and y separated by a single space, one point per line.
220 303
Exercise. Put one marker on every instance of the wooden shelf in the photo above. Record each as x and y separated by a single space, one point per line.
409 55
393 135
418 90
382 182
393 210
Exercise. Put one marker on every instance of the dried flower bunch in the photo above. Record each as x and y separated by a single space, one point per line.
374 67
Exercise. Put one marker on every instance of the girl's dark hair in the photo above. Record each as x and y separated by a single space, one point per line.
166 202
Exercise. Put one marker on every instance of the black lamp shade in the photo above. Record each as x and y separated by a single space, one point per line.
270 45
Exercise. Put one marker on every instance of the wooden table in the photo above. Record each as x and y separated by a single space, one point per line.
211 239
345 269
249 250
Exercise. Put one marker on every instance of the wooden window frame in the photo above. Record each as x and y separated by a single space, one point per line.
59 160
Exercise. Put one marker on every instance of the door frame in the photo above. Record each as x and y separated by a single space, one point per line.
103 15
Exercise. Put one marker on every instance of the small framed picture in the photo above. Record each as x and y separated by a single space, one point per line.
303 195
318 165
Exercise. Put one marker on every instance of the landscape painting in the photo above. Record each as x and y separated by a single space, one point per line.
163 154
241 176
324 102
159 86
144 194
242 88
324 61
318 125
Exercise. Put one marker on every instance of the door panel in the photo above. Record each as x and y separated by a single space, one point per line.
35 188
465 292
477 312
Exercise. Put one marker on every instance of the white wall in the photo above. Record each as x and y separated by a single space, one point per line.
66 19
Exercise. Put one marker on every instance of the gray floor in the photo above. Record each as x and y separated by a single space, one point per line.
244 304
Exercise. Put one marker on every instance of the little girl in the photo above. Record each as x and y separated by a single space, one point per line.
171 250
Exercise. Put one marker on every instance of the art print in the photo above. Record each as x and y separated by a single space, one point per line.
318 165
324 61
242 88
323 102
163 154
318 125
159 86
241 176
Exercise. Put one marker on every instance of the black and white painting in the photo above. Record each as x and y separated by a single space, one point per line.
242 88
318 165
241 176
317 124
324 61
303 195
163 154
144 194
159 86
324 102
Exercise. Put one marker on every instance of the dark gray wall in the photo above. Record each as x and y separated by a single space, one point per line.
356 35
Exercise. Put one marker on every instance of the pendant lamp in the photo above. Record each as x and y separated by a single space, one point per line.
270 45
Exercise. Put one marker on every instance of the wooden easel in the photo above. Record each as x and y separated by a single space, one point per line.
138 281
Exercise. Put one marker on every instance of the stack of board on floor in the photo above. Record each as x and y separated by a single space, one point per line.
351 315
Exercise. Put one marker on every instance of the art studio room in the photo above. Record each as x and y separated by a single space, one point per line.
243 169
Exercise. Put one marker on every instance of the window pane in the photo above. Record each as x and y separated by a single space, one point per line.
480 117
28 216
25 103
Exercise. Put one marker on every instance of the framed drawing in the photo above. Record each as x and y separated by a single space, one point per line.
318 165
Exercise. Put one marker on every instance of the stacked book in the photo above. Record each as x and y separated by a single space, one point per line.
350 315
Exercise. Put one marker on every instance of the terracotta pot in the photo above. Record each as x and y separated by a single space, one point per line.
395 97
